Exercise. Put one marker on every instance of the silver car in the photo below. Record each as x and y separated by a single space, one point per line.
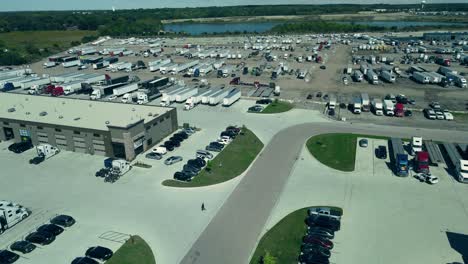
173 159
204 154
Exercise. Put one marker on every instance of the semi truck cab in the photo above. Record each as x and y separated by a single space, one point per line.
421 162
402 165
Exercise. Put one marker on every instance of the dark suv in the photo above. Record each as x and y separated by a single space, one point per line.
20 147
381 152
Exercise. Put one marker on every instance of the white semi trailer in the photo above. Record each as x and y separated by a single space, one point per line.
218 97
185 94
232 97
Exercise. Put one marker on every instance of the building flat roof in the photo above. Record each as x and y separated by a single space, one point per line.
75 112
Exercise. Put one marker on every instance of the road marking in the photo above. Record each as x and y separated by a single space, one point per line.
116 237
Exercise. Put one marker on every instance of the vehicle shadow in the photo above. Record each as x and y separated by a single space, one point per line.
459 242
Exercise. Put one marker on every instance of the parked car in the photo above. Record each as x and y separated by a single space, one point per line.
330 232
228 133
182 134
321 232
63 220
224 140
198 162
323 67
234 129
363 143
313 259
309 97
20 147
204 154
318 94
323 221
175 142
112 97
427 177
312 239
401 98
50 228
41 238
439 114
214 148
447 115
430 114
7 257
408 113
153 155
84 260
190 171
264 101
181 176
255 108
308 249
169 145
434 105
173 159
189 131
37 160
22 246
98 252
381 152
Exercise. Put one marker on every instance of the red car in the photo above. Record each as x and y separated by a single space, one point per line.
317 240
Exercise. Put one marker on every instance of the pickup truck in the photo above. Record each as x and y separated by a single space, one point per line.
325 211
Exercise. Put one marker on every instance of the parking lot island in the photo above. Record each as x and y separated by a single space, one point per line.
135 250
283 241
277 106
230 163
337 151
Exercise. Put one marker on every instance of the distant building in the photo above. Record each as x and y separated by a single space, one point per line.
445 36
98 128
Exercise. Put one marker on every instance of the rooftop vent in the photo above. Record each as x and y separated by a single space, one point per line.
77 118
28 113
60 116
11 110
150 114
133 109
107 122
43 113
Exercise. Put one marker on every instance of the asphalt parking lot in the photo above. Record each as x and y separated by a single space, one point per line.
386 219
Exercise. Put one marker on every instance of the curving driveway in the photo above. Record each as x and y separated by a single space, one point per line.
233 233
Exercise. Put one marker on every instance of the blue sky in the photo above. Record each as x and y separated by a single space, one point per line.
16 5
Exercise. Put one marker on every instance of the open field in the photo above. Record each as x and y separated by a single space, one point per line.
230 163
135 250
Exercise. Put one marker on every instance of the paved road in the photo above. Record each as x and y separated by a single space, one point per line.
233 233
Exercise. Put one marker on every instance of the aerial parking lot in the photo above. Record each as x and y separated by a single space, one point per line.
385 212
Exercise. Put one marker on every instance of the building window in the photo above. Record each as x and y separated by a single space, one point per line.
6 123
147 128
149 142
155 123
76 132
96 135
22 125
167 117
39 127
58 130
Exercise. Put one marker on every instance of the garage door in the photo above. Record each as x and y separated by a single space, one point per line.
80 150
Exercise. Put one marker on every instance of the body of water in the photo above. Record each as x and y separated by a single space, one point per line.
210 28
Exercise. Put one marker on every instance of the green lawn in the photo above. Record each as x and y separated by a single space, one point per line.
230 163
337 151
460 117
284 240
134 251
277 107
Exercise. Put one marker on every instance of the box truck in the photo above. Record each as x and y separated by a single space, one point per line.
389 108
11 214
372 77
357 105
377 106
365 103
421 77
388 76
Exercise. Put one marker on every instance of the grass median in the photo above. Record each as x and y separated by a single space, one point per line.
277 107
134 251
337 151
283 241
230 163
